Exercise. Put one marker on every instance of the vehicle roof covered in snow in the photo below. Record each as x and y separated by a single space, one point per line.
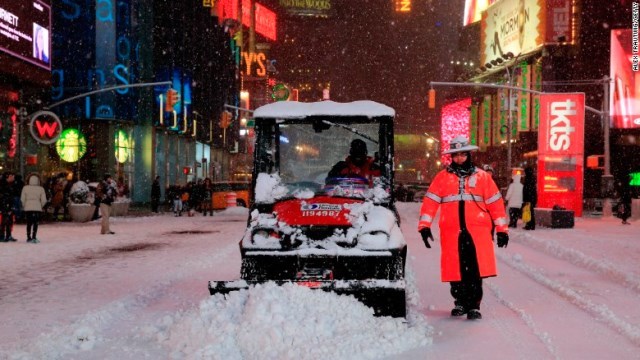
299 110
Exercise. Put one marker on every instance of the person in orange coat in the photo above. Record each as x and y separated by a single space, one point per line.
470 203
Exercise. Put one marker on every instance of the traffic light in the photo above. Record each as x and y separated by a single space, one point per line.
173 97
432 98
225 119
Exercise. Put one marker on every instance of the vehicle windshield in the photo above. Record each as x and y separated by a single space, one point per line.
308 152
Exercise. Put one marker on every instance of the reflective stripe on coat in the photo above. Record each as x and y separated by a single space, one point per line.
483 206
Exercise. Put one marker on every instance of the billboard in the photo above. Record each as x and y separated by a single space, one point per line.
265 19
514 26
25 31
561 151
624 95
320 8
473 10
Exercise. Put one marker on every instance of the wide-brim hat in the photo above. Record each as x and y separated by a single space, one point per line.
460 144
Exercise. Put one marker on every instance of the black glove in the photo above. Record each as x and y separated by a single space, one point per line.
426 236
503 239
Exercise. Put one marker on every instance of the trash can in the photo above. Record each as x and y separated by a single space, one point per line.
232 199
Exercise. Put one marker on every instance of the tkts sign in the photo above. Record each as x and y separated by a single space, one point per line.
561 129
561 151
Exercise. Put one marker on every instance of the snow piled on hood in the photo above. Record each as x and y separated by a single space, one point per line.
268 188
288 322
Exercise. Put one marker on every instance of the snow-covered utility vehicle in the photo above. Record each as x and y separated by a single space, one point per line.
337 233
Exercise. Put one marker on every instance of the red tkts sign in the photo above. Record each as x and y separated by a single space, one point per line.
561 151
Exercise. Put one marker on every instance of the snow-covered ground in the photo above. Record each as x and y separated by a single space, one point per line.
142 293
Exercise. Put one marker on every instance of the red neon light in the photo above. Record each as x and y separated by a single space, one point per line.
455 121
266 22
46 128
266 19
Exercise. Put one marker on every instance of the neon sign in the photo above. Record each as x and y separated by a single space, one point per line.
45 127
71 145
123 146
255 58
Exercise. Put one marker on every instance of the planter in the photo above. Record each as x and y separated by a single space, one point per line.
119 208
81 212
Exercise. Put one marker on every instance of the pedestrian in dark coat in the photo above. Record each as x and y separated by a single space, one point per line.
530 196
33 199
7 206
624 207
155 194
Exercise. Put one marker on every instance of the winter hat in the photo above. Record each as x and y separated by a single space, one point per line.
358 148
460 144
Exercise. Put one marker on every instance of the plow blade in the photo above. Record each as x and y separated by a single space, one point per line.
385 297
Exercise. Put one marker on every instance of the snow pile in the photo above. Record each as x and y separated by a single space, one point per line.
268 188
288 322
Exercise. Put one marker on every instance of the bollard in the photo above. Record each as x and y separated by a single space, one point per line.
231 198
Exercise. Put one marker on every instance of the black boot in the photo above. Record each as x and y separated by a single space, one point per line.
458 311
474 314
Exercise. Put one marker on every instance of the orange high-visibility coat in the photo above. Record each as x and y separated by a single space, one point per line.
483 206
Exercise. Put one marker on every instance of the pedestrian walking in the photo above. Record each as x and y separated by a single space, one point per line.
624 207
514 200
530 196
57 200
33 199
106 191
18 185
155 194
7 206
206 191
470 203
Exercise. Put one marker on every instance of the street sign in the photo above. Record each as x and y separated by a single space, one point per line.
45 127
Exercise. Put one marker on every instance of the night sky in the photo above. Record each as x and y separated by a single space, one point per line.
368 51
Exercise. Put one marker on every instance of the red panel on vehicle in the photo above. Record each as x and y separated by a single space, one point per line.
322 210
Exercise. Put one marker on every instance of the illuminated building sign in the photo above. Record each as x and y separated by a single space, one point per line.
25 31
403 5
624 95
559 21
113 43
511 26
306 8
455 121
123 146
71 145
254 63
473 10
561 151
45 127
266 20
